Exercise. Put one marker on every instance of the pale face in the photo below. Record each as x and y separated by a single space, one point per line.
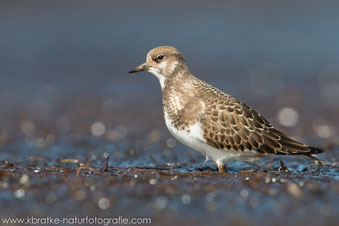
163 62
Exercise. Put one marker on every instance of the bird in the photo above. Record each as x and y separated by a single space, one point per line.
211 121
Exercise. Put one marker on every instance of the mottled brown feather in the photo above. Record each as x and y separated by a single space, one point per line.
229 124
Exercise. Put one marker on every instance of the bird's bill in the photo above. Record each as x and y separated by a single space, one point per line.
141 67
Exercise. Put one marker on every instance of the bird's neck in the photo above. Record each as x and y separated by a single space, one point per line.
171 80
176 93
168 72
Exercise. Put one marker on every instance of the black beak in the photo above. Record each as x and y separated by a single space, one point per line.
141 67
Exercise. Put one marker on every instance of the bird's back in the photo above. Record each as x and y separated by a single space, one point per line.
229 124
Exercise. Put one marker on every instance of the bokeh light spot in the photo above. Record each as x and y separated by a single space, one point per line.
288 117
98 129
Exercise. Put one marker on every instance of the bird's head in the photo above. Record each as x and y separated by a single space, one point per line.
163 62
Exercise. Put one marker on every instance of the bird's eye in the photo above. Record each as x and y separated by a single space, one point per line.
160 57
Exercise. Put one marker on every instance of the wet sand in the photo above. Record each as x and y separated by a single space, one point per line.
141 171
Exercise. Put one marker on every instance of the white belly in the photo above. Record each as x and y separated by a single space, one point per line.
195 140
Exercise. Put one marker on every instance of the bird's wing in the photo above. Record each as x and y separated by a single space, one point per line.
232 125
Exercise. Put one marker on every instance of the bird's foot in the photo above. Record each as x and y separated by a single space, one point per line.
221 167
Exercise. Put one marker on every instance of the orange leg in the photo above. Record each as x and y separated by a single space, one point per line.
221 167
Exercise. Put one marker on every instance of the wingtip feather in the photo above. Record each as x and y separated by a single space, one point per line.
314 150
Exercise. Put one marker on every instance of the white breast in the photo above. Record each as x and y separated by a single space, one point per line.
195 140
194 136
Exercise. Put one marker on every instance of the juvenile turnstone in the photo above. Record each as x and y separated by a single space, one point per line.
210 121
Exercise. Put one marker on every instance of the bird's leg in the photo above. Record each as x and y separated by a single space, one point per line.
221 167
203 166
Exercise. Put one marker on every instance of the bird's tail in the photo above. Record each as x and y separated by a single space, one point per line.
315 151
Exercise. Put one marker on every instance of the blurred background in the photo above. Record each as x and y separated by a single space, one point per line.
65 91
64 64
